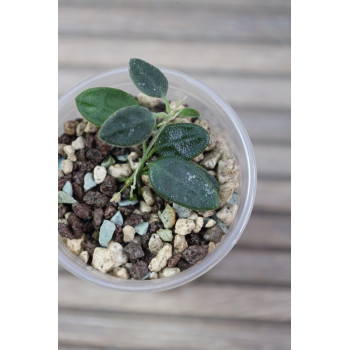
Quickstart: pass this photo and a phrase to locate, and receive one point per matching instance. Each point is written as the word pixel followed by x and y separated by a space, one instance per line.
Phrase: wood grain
pixel 117 330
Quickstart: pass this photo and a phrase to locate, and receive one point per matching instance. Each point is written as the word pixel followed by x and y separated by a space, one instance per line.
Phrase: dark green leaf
pixel 212 179
pixel 184 140
pixel 189 113
pixel 97 104
pixel 183 182
pixel 147 78
pixel 127 127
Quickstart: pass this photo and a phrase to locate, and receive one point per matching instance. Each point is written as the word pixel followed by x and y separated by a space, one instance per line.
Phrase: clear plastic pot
pixel 224 121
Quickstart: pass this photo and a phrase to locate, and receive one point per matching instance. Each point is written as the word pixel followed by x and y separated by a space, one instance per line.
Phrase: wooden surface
pixel 241 49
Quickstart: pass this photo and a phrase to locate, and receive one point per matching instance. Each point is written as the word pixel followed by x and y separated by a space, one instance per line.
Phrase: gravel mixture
pixel 147 238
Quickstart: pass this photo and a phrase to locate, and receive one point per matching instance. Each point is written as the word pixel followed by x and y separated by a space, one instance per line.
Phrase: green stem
pixel 167 105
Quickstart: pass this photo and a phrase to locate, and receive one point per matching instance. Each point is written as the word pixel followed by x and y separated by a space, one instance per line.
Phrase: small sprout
pixel 123 123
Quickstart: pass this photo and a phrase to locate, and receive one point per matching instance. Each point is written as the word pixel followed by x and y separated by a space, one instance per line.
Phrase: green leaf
pixel 128 127
pixel 183 182
pixel 184 140
pixel 97 104
pixel 189 113
pixel 212 179
pixel 147 78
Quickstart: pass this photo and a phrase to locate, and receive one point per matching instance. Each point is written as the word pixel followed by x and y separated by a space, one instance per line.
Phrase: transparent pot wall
pixel 224 121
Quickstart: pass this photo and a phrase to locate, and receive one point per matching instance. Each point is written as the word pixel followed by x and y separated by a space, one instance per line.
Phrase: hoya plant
pixel 123 123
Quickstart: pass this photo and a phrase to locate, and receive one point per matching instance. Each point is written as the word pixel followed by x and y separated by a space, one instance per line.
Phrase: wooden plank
pixel 267 231
pixel 129 331
pixel 239 302
pixel 229 26
pixel 238 91
pixel 250 266
pixel 273 196
pixel 107 53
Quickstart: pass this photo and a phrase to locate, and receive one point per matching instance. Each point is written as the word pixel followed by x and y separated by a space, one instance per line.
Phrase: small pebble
pixel 129 233
pixel 123 157
pixel 75 245
pixel 60 150
pixel 148 101
pixel 210 223
pixel 211 247
pixel 106 232
pixel 121 272
pixel 120 170
pixel 127 202
pixel 198 158
pixel 153 276
pixel 147 195
pixel 226 191
pixel 146 180
pixel 67 166
pixel 120 257
pixel 195 253
pixel 234 199
pixel 199 222
pixel 96 199
pixel 80 128
pixel 100 174
pixel 132 159
pixel 138 270
pixel 70 126
pixel 142 228
pixel 60 174
pixel 91 128
pixel 60 161
pixel 103 259
pixel 165 235
pixel 168 216
pixel 67 188
pixel 70 152
pixel 63 197
pixel 134 251
pixel 184 226
pixel 226 170
pixel 180 243
pixel 169 271
pixel 155 244
pixel 207 214
pixel 211 159
pixel 221 224
pixel 117 218
pixel 84 256
pixel 228 213
pixel 160 261
pixel 181 211
pixel 82 210
pixel 107 162
pixel 144 207
pixel 213 234
pixel 79 143
pixel 147 275
pixel 89 182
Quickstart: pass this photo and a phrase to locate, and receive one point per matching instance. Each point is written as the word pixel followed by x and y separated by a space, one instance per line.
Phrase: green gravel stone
pixel 165 235
pixel 142 228
pixel 127 202
pixel 147 275
pixel 68 188
pixel 123 157
pixel 234 199
pixel 106 232
pixel 220 224
pixel 181 211
pixel 117 218
pixel 89 182
pixel 63 197
pixel 107 162
pixel 60 161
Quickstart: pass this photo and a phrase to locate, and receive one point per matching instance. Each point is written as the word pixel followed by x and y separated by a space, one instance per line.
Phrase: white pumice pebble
pixel 128 266
pixel 121 272
pixel 91 128
pixel 132 159
pixel 174 106
pixel 226 191
pixel 184 226
pixel 153 218
pixel 129 233
pixel 168 216
pixel 210 223
pixel 80 128
pixel 211 247
pixel 144 207
pixel 193 216
pixel 70 126
pixel 155 244
pixel 84 256
pixel 63 221
pixel 180 243
pixel 148 101
pixel 169 271
pixel 226 170
pixel 211 159
pixel 75 245
pixel 199 224
pixel 67 166
pixel 198 158
pixel 160 261
pixel 70 152
pixel 100 173
pixel 79 143
pixel 228 213
pixel 60 150
pixel 146 180
pixel 67 215
pixel 120 257
pixel 147 195
pixel 120 170
pixel 103 259
pixel 153 276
